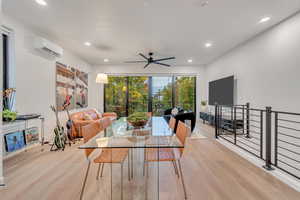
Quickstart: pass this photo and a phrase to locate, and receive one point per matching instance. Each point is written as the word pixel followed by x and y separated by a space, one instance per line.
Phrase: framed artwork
pixel 81 92
pixel 71 87
pixel 14 141
pixel 32 135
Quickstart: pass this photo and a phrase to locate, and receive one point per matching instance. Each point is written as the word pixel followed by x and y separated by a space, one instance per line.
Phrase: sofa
pixel 86 117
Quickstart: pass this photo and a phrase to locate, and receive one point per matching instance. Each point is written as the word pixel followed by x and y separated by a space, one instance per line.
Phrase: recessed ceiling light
pixel 106 60
pixel 204 3
pixel 264 19
pixel 208 44
pixel 190 60
pixel 87 44
pixel 41 2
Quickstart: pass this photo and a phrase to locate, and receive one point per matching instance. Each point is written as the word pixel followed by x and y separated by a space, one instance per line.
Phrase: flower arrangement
pixel 8 101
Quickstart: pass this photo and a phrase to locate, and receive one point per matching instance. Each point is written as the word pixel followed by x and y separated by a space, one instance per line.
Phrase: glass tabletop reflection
pixel 156 134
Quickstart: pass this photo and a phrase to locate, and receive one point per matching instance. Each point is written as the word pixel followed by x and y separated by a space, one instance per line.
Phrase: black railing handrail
pixel 267 125
pixel 286 113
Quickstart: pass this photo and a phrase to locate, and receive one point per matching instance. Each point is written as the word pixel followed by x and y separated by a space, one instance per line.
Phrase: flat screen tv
pixel 222 91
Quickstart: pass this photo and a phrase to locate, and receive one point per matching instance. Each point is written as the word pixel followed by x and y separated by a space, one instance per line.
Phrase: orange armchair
pixel 113 116
pixel 86 117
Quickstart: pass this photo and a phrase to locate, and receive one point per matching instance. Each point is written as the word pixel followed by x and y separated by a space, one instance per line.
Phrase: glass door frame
pixel 150 89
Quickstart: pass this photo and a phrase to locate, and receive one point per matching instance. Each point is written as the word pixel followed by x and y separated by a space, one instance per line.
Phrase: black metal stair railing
pixel 272 136
pixel 287 142
pixel 242 126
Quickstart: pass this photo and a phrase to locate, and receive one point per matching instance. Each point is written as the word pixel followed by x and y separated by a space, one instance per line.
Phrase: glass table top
pixel 156 134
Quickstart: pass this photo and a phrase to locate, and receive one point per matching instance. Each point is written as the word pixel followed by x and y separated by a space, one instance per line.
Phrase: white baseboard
pixel 284 177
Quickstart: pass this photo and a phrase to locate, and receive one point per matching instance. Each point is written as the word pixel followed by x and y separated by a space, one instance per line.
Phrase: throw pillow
pixel 87 117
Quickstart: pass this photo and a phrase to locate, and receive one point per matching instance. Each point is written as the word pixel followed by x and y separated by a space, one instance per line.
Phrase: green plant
pixel 203 103
pixel 137 117
pixel 8 115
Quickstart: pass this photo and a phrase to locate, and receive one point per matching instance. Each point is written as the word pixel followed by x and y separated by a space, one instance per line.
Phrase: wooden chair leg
pixel 132 163
pixel 102 170
pixel 175 168
pixel 98 171
pixel 129 175
pixel 182 180
pixel 84 181
pixel 121 181
pixel 146 178
pixel 144 162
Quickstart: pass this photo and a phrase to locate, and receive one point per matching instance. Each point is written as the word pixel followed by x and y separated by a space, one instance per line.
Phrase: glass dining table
pixel 121 135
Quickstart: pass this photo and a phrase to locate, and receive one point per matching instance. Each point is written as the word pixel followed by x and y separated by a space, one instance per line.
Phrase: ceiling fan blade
pixel 135 61
pixel 143 56
pixel 158 63
pixel 170 58
pixel 147 65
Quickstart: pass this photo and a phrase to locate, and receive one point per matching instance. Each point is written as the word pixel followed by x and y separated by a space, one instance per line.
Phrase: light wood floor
pixel 211 172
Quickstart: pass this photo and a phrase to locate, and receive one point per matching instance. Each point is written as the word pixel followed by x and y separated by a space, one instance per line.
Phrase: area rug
pixel 197 135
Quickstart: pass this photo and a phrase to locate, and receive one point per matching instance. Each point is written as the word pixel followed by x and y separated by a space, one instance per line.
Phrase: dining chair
pixel 172 123
pixel 169 154
pixel 149 114
pixel 106 156
pixel 106 122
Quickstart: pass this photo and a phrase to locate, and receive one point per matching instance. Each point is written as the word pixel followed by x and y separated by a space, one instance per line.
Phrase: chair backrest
pixel 182 133
pixel 149 114
pixel 88 132
pixel 172 123
pixel 106 122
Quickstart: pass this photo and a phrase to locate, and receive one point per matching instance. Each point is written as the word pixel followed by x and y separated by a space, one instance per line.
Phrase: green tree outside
pixel 138 94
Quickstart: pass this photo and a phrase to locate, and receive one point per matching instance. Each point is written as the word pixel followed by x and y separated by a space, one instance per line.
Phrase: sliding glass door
pixel 115 99
pixel 185 90
pixel 138 94
pixel 126 95
pixel 161 94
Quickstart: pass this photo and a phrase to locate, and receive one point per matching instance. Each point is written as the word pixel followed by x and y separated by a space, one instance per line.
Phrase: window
pixel 185 97
pixel 126 95
pixel 162 94
pixel 5 61
pixel 138 92
pixel 115 95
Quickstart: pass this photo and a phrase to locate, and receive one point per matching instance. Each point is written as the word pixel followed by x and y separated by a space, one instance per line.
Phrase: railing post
pixel 247 120
pixel 243 115
pixel 234 124
pixel 276 139
pixel 261 133
pixel 216 121
pixel 268 138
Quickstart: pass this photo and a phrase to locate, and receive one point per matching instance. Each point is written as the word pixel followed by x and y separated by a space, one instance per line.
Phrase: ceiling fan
pixel 150 60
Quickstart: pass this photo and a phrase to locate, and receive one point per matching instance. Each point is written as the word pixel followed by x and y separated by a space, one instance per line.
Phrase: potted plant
pixel 203 106
pixel 8 115
pixel 138 119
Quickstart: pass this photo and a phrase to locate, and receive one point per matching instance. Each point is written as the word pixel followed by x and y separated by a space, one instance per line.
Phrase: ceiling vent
pixel 48 47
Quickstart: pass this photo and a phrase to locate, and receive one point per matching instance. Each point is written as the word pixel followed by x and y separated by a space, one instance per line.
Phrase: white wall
pixel 151 70
pixel 267 68
pixel 35 75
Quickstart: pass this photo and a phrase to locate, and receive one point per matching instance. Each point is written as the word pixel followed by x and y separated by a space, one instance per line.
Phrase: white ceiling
pixel 120 29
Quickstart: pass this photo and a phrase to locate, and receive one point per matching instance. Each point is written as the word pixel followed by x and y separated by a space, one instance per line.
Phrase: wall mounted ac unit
pixel 49 47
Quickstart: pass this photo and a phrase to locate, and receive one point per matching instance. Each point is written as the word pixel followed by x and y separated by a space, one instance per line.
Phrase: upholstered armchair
pixel 86 117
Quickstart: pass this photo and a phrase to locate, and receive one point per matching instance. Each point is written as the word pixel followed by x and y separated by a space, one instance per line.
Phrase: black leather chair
pixel 181 116
pixel 186 116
